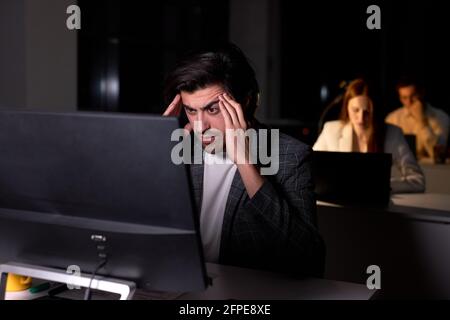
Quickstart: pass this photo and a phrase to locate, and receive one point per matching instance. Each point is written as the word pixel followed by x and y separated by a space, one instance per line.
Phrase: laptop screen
pixel 352 177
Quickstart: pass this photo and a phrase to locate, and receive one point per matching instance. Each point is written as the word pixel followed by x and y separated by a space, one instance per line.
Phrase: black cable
pixel 87 293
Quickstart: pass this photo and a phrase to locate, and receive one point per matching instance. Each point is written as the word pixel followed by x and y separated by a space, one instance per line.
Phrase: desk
pixel 409 240
pixel 245 284
pixel 437 177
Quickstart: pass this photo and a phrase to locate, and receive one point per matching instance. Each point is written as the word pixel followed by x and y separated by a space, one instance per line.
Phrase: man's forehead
pixel 205 106
pixel 407 90
pixel 202 97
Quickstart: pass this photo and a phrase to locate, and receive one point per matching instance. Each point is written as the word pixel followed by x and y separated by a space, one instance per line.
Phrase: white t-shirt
pixel 218 176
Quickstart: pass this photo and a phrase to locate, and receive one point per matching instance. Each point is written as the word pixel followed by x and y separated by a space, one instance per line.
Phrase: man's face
pixel 408 95
pixel 203 106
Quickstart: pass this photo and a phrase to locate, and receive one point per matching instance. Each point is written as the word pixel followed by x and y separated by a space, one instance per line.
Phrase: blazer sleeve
pixel 321 142
pixel 288 208
pixel 411 177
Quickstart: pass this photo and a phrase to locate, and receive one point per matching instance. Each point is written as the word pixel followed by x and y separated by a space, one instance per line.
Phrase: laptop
pixel 352 178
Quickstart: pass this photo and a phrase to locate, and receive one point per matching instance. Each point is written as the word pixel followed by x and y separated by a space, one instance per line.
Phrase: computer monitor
pixel 352 178
pixel 66 178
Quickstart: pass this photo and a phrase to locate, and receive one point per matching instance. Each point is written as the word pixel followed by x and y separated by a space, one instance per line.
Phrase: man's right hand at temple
pixel 174 109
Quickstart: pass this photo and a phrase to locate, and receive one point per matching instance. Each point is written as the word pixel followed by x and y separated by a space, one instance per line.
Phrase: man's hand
pixel 418 113
pixel 237 145
pixel 174 110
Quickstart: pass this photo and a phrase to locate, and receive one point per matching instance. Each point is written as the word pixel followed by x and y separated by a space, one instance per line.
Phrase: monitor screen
pixel 65 177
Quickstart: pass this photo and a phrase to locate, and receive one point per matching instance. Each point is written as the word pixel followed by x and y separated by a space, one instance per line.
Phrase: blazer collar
pixel 346 138
pixel 237 191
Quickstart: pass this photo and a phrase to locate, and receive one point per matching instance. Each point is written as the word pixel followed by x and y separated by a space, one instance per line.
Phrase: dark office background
pixel 126 47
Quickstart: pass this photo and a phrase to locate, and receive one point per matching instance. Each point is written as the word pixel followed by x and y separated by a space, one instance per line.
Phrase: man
pixel 430 125
pixel 246 218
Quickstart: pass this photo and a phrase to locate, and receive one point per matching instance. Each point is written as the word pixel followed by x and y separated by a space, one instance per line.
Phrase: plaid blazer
pixel 276 229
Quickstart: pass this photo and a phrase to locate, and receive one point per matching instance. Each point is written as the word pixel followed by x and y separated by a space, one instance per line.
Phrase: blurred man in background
pixel 417 117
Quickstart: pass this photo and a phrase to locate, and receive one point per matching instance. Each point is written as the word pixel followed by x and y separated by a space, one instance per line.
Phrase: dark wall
pixel 127 47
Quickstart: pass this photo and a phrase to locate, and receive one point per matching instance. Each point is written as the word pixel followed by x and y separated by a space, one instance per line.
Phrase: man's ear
pixel 249 112
pixel 247 101
pixel 246 109
pixel 258 100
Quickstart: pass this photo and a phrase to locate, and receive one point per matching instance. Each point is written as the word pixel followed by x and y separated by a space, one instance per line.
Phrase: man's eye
pixel 190 111
pixel 213 110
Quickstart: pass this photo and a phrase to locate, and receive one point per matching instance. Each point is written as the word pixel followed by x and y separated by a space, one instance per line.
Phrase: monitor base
pixel 125 289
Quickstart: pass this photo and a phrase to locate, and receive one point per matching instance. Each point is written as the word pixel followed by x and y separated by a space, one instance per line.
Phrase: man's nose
pixel 202 121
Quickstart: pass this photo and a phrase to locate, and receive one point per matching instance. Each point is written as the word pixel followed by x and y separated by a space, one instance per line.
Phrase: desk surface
pixel 437 177
pixel 423 206
pixel 430 162
pixel 243 284
pixel 431 201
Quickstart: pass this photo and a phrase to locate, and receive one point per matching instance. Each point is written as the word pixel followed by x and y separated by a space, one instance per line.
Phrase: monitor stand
pixel 123 288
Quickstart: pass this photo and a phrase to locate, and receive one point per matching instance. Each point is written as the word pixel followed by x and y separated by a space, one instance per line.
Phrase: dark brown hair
pixel 407 81
pixel 226 66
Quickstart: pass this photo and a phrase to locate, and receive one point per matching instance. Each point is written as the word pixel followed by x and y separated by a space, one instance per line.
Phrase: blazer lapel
pixel 237 191
pixel 346 138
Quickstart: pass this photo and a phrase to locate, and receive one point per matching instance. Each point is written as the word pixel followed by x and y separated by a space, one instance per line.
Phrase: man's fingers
pixel 238 109
pixel 231 111
pixel 230 100
pixel 174 108
pixel 225 114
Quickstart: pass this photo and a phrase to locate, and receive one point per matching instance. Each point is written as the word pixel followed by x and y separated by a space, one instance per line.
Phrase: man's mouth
pixel 207 139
